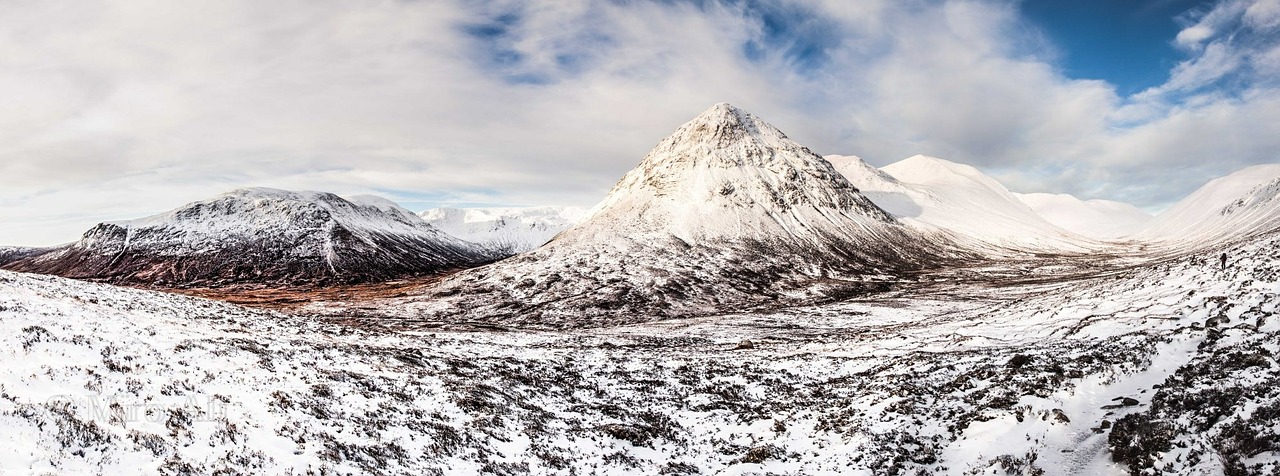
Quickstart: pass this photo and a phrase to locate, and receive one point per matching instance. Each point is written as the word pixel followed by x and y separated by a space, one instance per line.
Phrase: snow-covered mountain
pixel 1239 205
pixel 261 236
pixel 1100 219
pixel 514 230
pixel 724 213
pixel 932 193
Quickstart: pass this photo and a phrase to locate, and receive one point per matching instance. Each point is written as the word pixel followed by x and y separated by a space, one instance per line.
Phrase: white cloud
pixel 1263 14
pixel 1206 24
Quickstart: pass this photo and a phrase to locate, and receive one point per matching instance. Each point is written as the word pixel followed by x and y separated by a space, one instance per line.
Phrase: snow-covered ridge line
pixel 1098 219
pixel 934 194
pixel 1238 205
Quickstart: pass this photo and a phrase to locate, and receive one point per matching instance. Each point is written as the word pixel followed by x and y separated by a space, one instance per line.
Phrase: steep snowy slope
pixel 1100 219
pixel 724 213
pixel 514 230
pixel 1238 205
pixel 900 199
pixel 932 193
pixel 261 236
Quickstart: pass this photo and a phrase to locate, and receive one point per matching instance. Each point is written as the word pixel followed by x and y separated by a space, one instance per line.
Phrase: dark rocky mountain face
pixel 9 254
pixel 259 237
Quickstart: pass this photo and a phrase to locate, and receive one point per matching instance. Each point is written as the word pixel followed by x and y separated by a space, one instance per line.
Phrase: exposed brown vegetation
pixel 293 297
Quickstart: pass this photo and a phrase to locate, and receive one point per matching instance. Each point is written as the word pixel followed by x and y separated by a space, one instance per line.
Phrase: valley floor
pixel 1050 366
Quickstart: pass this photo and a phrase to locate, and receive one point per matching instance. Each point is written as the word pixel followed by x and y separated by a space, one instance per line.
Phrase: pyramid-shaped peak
pixel 738 168
pixel 722 112
pixel 722 125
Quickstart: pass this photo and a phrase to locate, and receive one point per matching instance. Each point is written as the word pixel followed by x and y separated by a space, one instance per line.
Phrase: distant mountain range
pixel 934 194
pixel 727 212
pixel 1243 204
pixel 513 230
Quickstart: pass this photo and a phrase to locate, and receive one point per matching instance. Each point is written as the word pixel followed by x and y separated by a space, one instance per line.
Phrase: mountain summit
pixel 727 174
pixel 726 213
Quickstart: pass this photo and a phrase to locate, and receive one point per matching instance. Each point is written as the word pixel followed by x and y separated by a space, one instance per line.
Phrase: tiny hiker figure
pixel 1223 258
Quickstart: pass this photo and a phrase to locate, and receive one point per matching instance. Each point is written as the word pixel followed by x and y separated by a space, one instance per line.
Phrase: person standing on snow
pixel 1223 259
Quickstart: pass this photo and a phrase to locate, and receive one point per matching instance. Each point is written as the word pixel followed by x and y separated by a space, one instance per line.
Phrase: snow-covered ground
pixel 960 375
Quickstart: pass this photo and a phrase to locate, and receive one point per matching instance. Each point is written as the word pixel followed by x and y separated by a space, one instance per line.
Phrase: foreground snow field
pixel 1166 366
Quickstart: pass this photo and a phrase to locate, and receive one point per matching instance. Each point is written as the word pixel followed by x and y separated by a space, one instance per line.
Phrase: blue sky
pixel 121 108
pixel 1128 43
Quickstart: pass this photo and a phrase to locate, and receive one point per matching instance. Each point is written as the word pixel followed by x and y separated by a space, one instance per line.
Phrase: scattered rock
pixel 1060 416
pixel 1018 361
pixel 760 454
pixel 637 435
pixel 1124 402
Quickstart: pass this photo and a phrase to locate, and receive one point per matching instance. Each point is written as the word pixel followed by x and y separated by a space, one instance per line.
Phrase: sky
pixel 112 110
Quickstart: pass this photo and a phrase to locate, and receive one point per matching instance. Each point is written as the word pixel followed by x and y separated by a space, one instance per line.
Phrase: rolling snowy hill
pixel 1099 219
pixel 513 230
pixel 724 213
pixel 935 194
pixel 261 236
pixel 1239 205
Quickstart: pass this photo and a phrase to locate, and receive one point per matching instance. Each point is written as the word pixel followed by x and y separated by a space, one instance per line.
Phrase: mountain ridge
pixel 1225 208
pixel 930 193
pixel 260 236
pixel 1098 219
